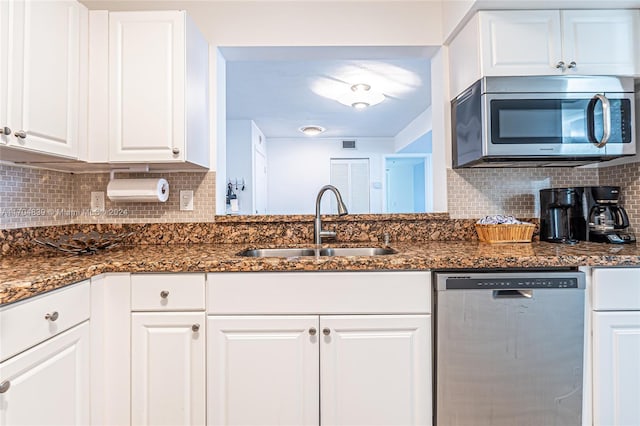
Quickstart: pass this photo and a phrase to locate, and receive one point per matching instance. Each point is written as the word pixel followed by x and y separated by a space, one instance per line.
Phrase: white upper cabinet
pixel 42 76
pixel 545 42
pixel 158 89
pixel 520 42
pixel 600 41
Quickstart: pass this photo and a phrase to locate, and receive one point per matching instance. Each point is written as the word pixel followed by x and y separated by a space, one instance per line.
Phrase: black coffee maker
pixel 607 221
pixel 561 215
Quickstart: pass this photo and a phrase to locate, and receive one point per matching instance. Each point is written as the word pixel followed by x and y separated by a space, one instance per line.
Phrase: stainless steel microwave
pixel 543 121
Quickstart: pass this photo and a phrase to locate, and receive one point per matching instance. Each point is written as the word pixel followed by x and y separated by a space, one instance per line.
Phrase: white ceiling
pixel 284 88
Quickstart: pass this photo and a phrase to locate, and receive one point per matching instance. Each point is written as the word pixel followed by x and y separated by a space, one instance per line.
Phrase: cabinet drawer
pixel 319 292
pixel 24 325
pixel 167 292
pixel 616 289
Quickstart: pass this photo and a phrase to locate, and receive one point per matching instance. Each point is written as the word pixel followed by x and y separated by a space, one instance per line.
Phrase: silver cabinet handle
pixel 572 64
pixel 20 134
pixel 4 386
pixel 164 294
pixel 176 151
pixel 326 331
pixel 561 65
pixel 5 131
pixel 195 328
pixel 52 316
pixel 313 331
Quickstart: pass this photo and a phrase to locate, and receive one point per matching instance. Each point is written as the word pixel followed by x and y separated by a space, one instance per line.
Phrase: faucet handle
pixel 327 234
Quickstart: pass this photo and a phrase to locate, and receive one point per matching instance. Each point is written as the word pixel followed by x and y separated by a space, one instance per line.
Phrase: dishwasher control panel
pixel 510 280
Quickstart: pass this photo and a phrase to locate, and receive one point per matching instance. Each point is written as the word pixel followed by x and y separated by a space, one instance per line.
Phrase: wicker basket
pixel 513 233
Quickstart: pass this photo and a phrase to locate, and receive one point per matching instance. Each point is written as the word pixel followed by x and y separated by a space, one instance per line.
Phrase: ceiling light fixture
pixel 361 96
pixel 312 130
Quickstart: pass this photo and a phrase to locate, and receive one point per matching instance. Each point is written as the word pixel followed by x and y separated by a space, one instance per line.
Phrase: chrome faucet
pixel 318 232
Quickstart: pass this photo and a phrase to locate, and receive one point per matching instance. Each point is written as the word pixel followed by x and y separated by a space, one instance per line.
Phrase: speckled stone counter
pixel 26 276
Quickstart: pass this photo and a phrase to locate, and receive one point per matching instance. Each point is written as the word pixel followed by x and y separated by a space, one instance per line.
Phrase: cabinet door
pixel 600 41
pixel 4 69
pixel 263 370
pixel 520 42
pixel 376 369
pixel 146 79
pixel 616 369
pixel 167 368
pixel 49 383
pixel 44 76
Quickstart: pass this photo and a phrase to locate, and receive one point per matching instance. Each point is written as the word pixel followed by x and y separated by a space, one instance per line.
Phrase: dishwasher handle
pixel 512 294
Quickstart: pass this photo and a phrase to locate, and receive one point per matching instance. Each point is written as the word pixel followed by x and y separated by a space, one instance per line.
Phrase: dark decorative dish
pixel 82 243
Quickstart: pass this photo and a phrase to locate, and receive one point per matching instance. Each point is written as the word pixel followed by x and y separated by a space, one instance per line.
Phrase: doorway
pixel 408 186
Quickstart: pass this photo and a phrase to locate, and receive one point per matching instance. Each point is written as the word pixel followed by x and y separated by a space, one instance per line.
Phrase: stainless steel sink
pixel 327 251
pixel 356 251
pixel 279 252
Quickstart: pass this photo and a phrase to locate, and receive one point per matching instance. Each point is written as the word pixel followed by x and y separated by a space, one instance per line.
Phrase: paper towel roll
pixel 146 190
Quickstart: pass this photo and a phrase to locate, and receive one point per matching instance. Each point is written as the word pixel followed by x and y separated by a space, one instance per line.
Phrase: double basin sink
pixel 327 251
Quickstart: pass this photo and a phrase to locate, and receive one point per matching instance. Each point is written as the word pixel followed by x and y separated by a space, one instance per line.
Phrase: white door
pixel 600 41
pixel 263 370
pixel 260 182
pixel 523 42
pixel 49 383
pixel 44 75
pixel 376 370
pixel 351 177
pixel 616 368
pixel 146 79
pixel 168 368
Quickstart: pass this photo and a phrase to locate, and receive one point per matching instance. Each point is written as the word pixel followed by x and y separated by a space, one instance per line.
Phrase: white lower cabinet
pixel 364 370
pixel 167 368
pixel 49 383
pixel 168 377
pixel 375 369
pixel 342 359
pixel 44 354
pixel 616 347
pixel 263 370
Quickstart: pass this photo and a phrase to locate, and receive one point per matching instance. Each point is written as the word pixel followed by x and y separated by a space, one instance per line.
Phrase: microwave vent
pixel 349 144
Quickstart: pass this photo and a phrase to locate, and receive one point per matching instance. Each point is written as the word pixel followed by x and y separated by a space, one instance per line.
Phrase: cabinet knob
pixel 5 131
pixel 326 331
pixel 164 294
pixel 20 134
pixel 176 151
pixel 195 328
pixel 52 316
pixel 572 64
pixel 4 386
pixel 561 65
pixel 313 331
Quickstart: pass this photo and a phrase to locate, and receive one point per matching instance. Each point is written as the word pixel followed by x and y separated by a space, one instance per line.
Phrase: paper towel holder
pixel 132 169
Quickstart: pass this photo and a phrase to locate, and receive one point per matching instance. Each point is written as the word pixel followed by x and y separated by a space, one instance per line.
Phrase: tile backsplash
pixel 627 176
pixel 32 197
pixel 36 197
pixel 475 193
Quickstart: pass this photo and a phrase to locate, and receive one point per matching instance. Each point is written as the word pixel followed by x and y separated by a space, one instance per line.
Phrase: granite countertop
pixel 25 276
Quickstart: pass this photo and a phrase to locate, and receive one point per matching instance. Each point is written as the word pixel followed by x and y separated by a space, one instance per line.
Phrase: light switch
pixel 186 200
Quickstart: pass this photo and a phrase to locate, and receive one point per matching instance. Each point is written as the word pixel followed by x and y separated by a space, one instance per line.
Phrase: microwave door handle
pixel 606 120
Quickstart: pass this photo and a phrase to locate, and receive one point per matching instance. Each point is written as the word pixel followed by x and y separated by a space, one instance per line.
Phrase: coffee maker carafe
pixel 561 216
pixel 607 221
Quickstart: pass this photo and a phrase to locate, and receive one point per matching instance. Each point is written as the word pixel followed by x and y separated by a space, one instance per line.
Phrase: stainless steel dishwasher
pixel 509 348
